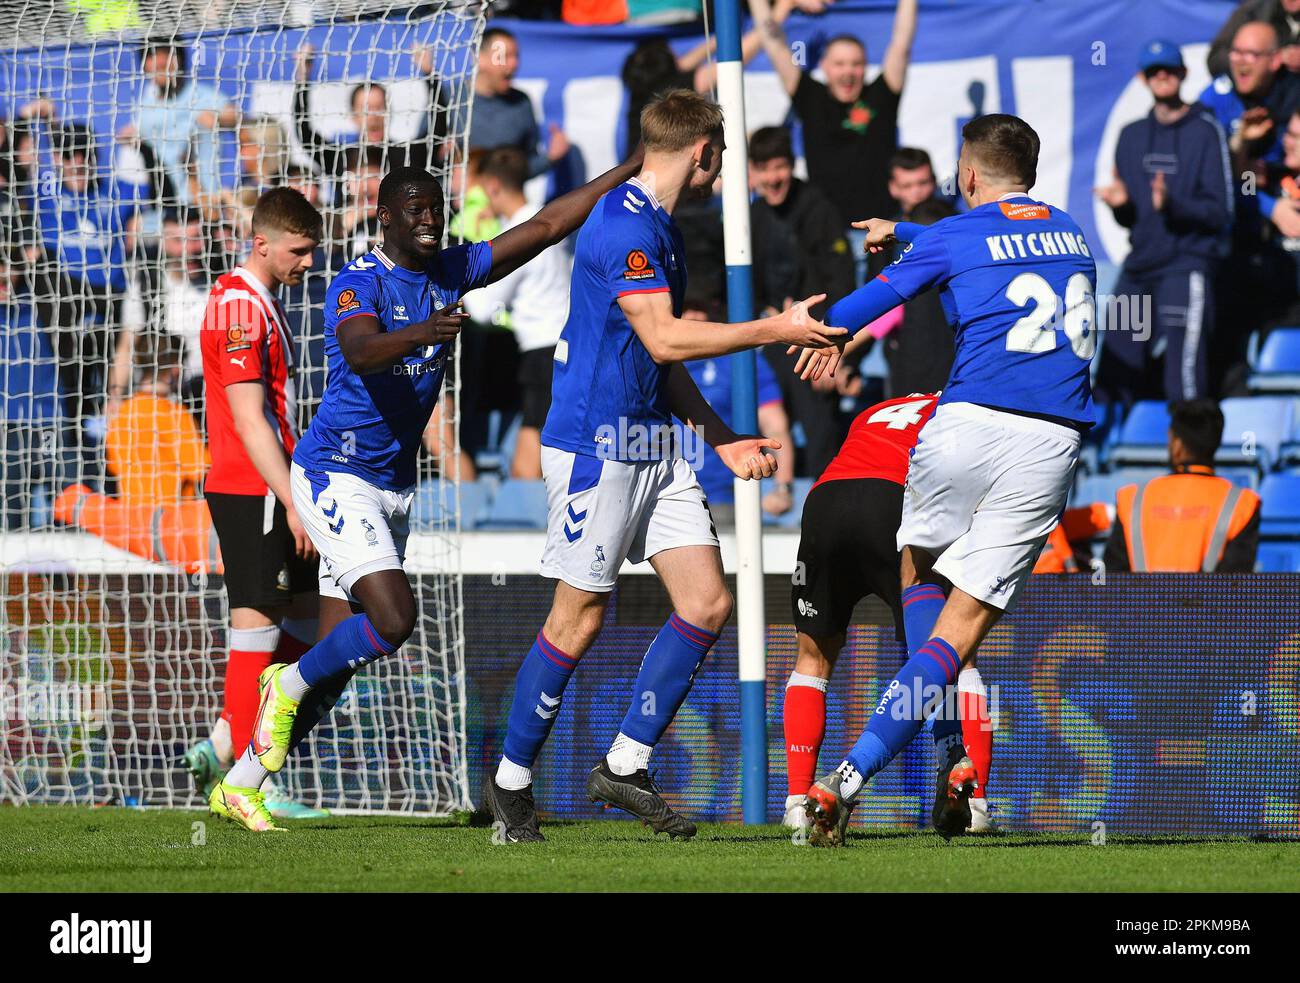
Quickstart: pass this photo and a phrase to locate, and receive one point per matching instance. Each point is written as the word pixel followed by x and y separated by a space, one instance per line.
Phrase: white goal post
pixel 136 135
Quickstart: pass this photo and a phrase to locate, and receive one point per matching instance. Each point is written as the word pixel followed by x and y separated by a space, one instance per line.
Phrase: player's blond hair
pixel 676 119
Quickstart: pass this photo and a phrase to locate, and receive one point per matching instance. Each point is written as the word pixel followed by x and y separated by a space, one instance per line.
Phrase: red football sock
pixel 805 725
pixel 976 727
pixel 251 651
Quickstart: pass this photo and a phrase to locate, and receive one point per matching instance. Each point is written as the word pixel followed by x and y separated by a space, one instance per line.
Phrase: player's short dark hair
pixel 910 159
pixel 1006 145
pixel 287 210
pixel 399 179
pixel 1198 423
pixel 676 119
pixel 361 87
pixel 166 44
pixel 508 165
pixel 771 143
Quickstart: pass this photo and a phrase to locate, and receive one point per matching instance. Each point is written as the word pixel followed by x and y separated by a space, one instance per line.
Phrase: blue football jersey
pixel 607 393
pixel 713 377
pixel 1017 282
pixel 371 425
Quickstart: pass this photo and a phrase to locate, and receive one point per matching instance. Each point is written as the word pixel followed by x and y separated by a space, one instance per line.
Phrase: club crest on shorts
pixel 372 537
pixel 282 578
pixel 598 564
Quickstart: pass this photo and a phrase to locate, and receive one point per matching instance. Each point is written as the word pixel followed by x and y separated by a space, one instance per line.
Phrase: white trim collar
pixel 646 191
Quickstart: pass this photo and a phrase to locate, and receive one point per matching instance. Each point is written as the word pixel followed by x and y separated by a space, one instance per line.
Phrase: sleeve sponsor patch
pixel 237 338
pixel 638 266
pixel 347 301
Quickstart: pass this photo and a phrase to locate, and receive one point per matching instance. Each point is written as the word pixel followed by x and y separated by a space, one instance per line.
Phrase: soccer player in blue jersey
pixel 617 485
pixel 390 318
pixel 990 473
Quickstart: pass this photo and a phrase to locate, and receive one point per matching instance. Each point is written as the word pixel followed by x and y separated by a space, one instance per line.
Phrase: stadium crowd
pixel 107 263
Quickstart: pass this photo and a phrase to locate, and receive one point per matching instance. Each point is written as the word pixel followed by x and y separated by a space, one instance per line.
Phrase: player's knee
pixel 395 623
pixel 710 612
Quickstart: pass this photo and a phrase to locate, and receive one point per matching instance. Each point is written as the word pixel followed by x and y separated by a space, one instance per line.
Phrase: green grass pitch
pixel 66 849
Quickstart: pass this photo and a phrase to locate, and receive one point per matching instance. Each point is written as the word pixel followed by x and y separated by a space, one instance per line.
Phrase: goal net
pixel 135 136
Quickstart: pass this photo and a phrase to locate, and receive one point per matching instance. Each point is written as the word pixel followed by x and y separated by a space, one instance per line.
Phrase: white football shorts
pixel 356 527
pixel 984 490
pixel 603 512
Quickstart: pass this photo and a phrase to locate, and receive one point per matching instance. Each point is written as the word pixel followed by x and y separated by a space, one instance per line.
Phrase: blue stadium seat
pixel 1280 505
pixel 517 505
pixel 1278 557
pixel 1143 437
pixel 1103 487
pixel 1254 430
pixel 1277 369
pixel 434 504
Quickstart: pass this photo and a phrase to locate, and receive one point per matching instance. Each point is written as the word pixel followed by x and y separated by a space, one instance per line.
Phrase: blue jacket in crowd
pixel 1192 231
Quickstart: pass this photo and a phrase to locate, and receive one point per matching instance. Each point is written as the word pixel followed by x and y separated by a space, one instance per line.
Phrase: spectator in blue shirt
pixel 502 116
pixel 82 275
pixel 177 123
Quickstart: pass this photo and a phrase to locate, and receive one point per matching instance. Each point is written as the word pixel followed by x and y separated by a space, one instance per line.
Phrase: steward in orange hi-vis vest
pixel 1190 521
pixel 1186 522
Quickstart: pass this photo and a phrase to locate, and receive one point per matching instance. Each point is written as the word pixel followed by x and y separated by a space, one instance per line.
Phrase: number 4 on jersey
pixel 900 416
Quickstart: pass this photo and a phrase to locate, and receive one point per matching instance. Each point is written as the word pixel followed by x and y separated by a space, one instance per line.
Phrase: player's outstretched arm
pixel 515 247
pixel 368 348
pixel 870 301
pixel 742 454
pixel 671 339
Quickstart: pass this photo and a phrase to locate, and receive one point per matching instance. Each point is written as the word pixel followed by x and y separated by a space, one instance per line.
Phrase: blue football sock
pixel 921 606
pixel 901 710
pixel 666 675
pixel 352 644
pixel 538 687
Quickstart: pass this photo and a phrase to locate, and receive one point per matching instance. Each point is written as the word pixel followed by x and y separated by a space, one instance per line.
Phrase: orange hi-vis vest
pixel 1180 523
pixel 1077 525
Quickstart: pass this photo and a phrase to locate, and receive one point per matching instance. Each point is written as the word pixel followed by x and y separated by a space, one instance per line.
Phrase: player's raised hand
pixel 814 363
pixel 745 456
pixel 880 233
pixel 796 327
pixel 444 326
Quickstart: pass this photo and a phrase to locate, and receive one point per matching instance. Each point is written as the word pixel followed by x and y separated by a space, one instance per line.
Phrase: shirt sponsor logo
pixel 1024 212
pixel 638 266
pixel 347 301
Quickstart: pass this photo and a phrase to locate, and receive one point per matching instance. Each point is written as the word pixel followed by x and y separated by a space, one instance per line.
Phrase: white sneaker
pixel 980 820
pixel 795 817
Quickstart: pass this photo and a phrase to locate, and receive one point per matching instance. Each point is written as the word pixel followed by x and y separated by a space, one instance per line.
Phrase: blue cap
pixel 1160 54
